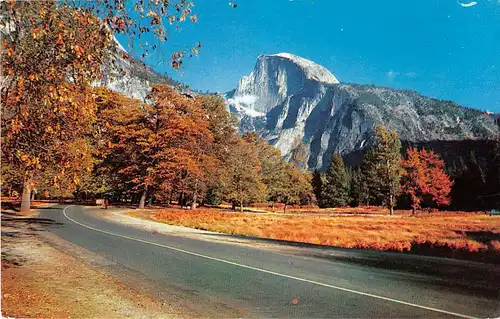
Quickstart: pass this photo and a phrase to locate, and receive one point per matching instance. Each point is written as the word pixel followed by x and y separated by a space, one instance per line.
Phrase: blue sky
pixel 437 48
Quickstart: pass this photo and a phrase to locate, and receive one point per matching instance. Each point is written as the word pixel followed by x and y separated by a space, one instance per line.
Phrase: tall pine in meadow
pixel 382 167
pixel 335 190
pixel 317 186
pixel 360 193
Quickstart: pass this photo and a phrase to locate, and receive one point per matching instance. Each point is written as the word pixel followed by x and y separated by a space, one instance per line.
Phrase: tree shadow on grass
pixel 10 206
pixel 484 237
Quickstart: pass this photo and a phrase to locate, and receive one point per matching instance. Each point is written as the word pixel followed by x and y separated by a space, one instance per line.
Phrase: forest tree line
pixel 62 136
pixel 413 178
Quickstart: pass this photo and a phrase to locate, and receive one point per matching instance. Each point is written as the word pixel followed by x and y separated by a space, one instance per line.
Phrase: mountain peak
pixel 312 70
pixel 292 102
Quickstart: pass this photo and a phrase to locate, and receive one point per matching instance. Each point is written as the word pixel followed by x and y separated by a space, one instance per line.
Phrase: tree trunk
pixel 26 197
pixel 284 208
pixel 241 206
pixel 193 205
pixel 150 200
pixel 391 204
pixel 170 196
pixel 181 199
pixel 32 195
pixel 142 202
pixel 233 206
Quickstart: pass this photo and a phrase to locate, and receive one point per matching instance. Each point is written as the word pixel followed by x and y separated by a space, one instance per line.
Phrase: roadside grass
pixel 458 235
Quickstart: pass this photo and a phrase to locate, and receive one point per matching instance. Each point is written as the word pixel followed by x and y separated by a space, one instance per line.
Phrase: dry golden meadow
pixel 462 235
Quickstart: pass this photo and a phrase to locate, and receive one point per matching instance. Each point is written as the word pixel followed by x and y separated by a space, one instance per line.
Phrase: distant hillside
pixel 291 101
pixel 132 77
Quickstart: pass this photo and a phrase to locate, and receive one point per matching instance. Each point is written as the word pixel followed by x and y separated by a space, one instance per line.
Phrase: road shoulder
pixel 40 280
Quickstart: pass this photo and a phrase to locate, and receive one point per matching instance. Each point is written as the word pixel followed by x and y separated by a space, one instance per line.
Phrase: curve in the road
pixel 442 311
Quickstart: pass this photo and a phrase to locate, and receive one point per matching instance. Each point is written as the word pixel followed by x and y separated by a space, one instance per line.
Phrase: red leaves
pixel 60 39
pixel 424 176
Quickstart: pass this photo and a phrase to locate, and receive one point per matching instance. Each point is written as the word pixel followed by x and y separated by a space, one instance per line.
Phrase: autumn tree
pixel 297 186
pixel 382 167
pixel 335 191
pixel 50 56
pixel 11 182
pixel 424 176
pixel 183 156
pixel 273 168
pixel 242 182
pixel 145 21
pixel 222 125
pixel 164 146
pixel 51 52
pixel 127 133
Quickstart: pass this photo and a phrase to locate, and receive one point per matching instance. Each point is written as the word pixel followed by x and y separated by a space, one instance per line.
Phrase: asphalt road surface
pixel 297 283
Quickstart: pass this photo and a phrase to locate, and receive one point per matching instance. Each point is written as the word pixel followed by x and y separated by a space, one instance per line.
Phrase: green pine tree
pixel 317 185
pixel 360 192
pixel 382 167
pixel 335 190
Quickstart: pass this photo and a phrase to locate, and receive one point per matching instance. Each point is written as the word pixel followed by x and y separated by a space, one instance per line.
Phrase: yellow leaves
pixel 29 160
pixel 60 39
pixel 20 87
pixel 10 51
pixel 78 50
pixel 36 33
pixel 194 18
pixel 194 50
pixel 43 12
pixel 16 125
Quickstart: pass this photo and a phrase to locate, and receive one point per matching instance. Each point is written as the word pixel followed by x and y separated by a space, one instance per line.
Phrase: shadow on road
pixel 485 278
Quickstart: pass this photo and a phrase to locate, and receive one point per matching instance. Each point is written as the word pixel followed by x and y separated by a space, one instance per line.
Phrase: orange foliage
pixel 424 175
pixel 409 233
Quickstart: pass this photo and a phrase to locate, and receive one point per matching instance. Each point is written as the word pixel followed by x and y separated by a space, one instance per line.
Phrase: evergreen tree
pixel 317 185
pixel 360 193
pixel 492 196
pixel 335 190
pixel 383 167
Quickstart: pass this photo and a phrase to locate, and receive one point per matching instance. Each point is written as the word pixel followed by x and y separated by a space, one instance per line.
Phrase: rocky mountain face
pixel 293 102
pixel 129 76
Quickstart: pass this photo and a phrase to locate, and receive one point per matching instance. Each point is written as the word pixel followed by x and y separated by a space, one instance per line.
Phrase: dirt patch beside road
pixel 40 281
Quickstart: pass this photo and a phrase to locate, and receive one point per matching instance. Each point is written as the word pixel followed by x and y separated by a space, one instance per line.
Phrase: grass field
pixel 469 236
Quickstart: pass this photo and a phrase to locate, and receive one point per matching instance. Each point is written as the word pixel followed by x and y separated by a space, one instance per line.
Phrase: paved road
pixel 296 283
